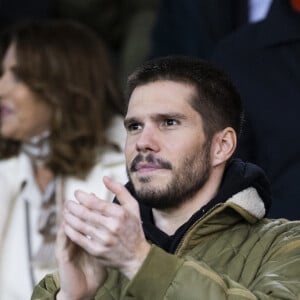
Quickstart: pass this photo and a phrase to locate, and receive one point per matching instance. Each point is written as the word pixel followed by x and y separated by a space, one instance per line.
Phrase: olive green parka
pixel 231 252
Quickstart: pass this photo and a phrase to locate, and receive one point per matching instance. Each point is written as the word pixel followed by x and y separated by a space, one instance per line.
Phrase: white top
pixel 15 279
pixel 258 9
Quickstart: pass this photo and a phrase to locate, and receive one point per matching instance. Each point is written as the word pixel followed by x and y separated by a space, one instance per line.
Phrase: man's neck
pixel 171 219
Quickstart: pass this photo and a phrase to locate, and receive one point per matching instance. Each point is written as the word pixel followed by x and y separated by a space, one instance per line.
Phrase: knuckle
pixel 117 227
pixel 123 215
pixel 96 250
pixel 108 242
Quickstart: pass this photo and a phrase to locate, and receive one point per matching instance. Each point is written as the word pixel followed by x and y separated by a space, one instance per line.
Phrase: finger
pixel 82 212
pixel 93 203
pixel 84 226
pixel 77 237
pixel 94 246
pixel 89 200
pixel 123 195
pixel 94 224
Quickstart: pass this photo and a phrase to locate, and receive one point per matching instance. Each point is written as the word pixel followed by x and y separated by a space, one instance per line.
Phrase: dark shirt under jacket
pixel 190 27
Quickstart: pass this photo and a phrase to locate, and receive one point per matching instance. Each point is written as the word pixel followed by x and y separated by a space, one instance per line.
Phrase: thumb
pixel 125 198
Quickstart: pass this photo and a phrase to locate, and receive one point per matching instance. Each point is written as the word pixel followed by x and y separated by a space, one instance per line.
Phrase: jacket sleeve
pixel 47 288
pixel 164 276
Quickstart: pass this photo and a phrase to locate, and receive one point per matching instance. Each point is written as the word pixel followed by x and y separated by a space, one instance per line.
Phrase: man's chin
pixel 157 175
pixel 149 180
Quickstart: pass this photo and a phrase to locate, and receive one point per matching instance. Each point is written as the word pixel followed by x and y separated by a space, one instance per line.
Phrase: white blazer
pixel 16 197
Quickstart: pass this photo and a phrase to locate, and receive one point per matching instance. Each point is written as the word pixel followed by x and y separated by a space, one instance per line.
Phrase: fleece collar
pixel 250 201
pixel 246 185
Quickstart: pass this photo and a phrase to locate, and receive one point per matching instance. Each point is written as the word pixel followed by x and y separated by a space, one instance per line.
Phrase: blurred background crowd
pixel 64 64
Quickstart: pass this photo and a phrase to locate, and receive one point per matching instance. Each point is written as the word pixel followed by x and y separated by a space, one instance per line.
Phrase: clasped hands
pixel 96 234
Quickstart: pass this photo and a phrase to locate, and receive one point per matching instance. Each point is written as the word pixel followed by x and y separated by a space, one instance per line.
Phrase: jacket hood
pixel 245 178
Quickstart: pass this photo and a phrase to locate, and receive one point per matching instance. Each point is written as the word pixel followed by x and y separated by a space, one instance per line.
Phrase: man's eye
pixel 171 122
pixel 134 127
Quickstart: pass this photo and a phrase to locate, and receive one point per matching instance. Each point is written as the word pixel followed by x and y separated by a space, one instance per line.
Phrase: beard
pixel 187 179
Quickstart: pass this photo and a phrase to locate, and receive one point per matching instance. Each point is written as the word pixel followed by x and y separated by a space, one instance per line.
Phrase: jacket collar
pixel 242 180
pixel 250 201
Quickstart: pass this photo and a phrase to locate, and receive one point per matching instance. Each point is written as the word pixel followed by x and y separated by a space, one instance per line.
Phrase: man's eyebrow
pixel 130 120
pixel 170 115
pixel 156 117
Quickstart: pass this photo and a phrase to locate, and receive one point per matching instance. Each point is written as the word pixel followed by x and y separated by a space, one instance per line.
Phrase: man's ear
pixel 223 145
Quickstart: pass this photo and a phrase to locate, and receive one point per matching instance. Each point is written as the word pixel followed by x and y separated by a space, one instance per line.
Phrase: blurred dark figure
pixel 12 11
pixel 263 59
pixel 194 27
pixel 124 25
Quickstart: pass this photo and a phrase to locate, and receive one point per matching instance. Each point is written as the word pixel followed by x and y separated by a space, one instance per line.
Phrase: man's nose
pixel 148 140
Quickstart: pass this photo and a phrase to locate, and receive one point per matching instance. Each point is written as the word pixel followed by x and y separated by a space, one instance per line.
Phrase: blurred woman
pixel 60 130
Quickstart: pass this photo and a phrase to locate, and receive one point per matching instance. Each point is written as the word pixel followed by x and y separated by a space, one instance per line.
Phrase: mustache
pixel 149 159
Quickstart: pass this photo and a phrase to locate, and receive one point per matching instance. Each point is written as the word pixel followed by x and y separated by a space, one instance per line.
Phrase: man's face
pixel 168 157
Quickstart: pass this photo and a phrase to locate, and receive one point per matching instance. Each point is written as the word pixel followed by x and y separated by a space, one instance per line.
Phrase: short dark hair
pixel 216 99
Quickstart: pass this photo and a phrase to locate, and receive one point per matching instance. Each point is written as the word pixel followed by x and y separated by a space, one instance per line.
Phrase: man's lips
pixel 148 163
pixel 146 167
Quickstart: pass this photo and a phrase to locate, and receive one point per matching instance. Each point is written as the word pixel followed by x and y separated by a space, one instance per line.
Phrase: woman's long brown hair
pixel 67 65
